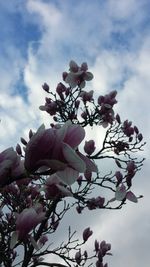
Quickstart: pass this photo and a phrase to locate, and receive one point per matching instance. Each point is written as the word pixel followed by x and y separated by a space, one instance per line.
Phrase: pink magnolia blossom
pixel 122 193
pixel 55 188
pixel 28 219
pixel 77 75
pixel 55 148
pixel 87 96
pixel 11 166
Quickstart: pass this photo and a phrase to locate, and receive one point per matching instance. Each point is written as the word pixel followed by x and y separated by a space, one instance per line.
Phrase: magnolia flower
pixel 28 219
pixel 55 148
pixel 77 75
pixel 121 194
pixel 55 188
pixel 11 166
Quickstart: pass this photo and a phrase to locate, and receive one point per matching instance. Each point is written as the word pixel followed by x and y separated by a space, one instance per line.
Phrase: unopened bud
pixel 140 137
pixel 18 149
pixel 23 141
pixel 118 118
pixel 45 86
pixel 89 147
pixel 78 257
pixel 87 233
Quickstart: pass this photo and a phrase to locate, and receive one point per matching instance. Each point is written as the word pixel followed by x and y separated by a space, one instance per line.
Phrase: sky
pixel 38 39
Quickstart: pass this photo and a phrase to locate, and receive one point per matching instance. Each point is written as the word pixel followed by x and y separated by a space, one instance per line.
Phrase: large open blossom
pixel 11 166
pixel 77 76
pixel 28 219
pixel 55 148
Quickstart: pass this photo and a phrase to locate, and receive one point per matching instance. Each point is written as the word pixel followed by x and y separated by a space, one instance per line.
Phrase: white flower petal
pixel 120 193
pixel 73 159
pixel 14 239
pixel 68 176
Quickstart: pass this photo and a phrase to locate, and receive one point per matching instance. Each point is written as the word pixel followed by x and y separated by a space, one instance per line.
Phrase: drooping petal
pixel 74 135
pixel 73 159
pixel 90 165
pixel 130 196
pixel 68 176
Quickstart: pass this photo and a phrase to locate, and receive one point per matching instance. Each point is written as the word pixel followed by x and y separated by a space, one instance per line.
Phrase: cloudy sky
pixel 38 39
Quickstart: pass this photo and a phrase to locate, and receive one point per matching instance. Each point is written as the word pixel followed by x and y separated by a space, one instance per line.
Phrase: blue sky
pixel 38 39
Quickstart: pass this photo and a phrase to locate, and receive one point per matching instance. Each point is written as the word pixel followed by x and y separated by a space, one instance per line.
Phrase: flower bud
pixel 23 141
pixel 119 176
pixel 60 88
pixel 140 137
pixel 89 147
pixel 118 118
pixel 79 180
pixel 30 133
pixel 84 115
pixel 88 175
pixel 84 66
pixel 45 87
pixel 136 130
pixel 78 257
pixel 96 245
pixel 87 233
pixel 85 254
pixel 64 75
pixel 18 149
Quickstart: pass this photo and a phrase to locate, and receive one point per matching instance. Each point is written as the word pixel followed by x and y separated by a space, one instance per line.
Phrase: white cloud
pixel 123 9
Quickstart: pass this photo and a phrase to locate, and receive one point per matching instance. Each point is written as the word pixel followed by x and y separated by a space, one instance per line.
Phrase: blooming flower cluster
pixel 37 177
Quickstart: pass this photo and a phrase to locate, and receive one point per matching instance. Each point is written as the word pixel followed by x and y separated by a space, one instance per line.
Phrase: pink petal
pixel 90 165
pixel 71 80
pixel 130 196
pixel 75 134
pixel 51 163
pixel 68 176
pixel 73 159
pixel 62 131
pixel 88 76
pixel 9 153
pixel 64 191
pixel 120 193
pixel 39 147
pixel 73 66
pixel 53 179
